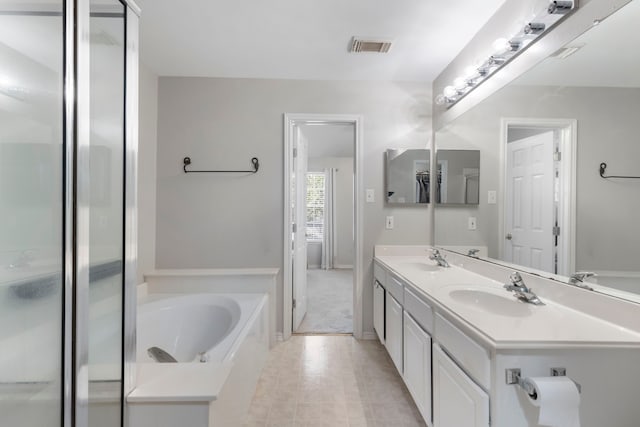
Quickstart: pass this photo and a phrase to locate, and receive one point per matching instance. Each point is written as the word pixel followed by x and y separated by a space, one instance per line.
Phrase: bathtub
pixel 220 342
pixel 192 328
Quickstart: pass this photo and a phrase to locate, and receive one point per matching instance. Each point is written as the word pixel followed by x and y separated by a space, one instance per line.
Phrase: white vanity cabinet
pixel 393 330
pixel 454 357
pixel 417 365
pixel 457 400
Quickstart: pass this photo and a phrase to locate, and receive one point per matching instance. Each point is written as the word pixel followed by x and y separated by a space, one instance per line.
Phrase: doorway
pixel 538 182
pixel 322 262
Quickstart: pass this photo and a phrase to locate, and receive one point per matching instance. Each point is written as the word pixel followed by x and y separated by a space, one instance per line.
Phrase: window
pixel 315 206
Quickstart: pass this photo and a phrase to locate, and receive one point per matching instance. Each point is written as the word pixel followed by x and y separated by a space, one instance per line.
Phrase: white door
pixel 529 205
pixel 417 365
pixel 299 213
pixel 457 400
pixel 393 330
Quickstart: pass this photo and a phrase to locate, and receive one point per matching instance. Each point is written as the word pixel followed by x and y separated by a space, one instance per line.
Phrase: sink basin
pixel 420 265
pixel 490 301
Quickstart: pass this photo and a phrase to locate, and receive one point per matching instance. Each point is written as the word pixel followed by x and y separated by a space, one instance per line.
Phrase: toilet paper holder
pixel 514 376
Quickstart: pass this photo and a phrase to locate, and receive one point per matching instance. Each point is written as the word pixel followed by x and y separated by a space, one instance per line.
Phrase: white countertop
pixel 520 325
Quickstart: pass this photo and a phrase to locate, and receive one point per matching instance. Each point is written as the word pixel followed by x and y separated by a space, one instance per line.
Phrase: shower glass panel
pixel 106 211
pixel 31 212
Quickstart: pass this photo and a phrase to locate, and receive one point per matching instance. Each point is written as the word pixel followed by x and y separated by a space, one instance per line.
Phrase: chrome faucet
pixel 473 253
pixel 578 279
pixel 437 257
pixel 521 291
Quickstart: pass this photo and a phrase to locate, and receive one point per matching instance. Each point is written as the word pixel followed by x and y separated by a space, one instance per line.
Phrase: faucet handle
pixel 473 252
pixel 516 278
pixel 582 275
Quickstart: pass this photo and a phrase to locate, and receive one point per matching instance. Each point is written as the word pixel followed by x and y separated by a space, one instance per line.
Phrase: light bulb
pixel 450 91
pixel 440 99
pixel 5 81
pixel 501 45
pixel 460 83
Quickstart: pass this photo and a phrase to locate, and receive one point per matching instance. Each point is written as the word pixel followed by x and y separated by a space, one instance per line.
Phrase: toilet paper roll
pixel 558 399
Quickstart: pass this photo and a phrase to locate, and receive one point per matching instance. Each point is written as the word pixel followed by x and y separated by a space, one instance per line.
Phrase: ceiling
pixel 608 56
pixel 329 140
pixel 309 40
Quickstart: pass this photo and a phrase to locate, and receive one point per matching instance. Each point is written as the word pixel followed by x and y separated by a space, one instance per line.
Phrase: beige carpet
pixel 329 302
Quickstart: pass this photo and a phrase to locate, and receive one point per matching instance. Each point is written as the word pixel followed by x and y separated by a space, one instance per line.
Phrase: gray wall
pixel 147 150
pixel 608 129
pixel 343 205
pixel 207 220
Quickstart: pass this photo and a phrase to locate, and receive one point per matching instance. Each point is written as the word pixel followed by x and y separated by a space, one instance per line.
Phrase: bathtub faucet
pixel 160 356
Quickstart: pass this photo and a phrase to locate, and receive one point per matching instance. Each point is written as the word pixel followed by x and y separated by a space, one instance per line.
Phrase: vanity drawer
pixel 472 357
pixel 419 310
pixel 379 273
pixel 396 288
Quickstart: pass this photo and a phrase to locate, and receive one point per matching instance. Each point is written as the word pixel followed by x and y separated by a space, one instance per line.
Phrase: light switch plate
pixel 370 195
pixel 389 223
pixel 472 223
pixel 492 197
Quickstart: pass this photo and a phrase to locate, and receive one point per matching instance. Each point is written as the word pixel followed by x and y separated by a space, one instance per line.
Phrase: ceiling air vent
pixel 361 44
pixel 565 52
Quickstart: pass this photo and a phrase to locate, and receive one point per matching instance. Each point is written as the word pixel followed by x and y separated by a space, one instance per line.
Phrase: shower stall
pixel 68 147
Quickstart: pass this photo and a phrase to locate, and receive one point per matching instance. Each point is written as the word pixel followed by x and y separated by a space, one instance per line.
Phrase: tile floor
pixel 329 301
pixel 331 381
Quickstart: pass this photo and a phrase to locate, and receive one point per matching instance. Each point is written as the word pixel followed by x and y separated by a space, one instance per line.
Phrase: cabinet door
pixel 378 310
pixel 417 365
pixel 457 400
pixel 393 330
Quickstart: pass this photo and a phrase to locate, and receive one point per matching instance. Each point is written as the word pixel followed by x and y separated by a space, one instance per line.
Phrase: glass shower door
pixel 31 212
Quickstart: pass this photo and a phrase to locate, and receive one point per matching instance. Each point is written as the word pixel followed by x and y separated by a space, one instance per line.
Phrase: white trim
pixel 279 337
pixel 568 146
pixel 342 266
pixel 370 336
pixel 289 121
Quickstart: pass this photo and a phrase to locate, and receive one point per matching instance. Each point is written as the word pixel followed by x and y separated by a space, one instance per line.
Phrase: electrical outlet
pixel 472 223
pixel 492 197
pixel 389 223
pixel 370 195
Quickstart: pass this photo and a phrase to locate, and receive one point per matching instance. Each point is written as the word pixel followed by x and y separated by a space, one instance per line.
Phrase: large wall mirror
pixel 543 203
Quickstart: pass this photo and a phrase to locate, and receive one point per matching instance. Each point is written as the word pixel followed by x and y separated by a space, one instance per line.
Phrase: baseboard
pixel 369 336
pixel 279 337
pixel 343 266
pixel 313 267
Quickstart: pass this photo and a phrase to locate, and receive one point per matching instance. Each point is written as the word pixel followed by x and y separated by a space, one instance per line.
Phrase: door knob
pixel 508 236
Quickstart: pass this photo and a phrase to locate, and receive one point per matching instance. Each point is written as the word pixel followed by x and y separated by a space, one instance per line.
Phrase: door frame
pixel 568 147
pixel 290 121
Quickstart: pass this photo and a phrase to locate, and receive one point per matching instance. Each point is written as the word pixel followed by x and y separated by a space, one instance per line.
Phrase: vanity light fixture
pixel 504 50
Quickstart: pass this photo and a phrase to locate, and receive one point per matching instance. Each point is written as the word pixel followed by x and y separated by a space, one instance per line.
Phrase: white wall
pixel 147 150
pixel 343 205
pixel 608 129
pixel 217 220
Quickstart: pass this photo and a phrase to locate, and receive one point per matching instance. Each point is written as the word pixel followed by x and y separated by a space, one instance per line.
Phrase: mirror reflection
pixel 458 177
pixel 543 203
pixel 407 176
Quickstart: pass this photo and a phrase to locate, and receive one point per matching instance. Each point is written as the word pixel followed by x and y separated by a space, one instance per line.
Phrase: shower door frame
pixel 75 377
